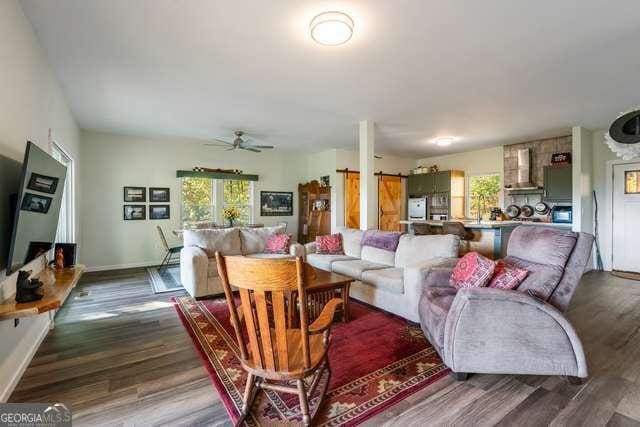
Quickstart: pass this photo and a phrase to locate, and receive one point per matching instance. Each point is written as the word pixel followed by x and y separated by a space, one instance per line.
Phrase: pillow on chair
pixel 472 271
pixel 278 244
pixel 507 276
pixel 329 245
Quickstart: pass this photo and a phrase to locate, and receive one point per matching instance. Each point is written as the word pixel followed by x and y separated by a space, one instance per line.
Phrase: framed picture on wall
pixel 276 203
pixel 135 194
pixel 36 203
pixel 43 183
pixel 158 194
pixel 159 211
pixel 134 212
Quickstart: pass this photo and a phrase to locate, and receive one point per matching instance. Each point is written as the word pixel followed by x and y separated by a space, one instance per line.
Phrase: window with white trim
pixel 483 194
pixel 205 200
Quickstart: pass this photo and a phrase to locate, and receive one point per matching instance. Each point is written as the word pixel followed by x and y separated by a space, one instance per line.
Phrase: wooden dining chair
pixel 273 351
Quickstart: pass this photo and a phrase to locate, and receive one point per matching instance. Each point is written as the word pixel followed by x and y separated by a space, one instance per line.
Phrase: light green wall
pixel 111 162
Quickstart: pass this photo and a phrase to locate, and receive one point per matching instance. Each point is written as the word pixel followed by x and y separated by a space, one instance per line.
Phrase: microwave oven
pixel 562 214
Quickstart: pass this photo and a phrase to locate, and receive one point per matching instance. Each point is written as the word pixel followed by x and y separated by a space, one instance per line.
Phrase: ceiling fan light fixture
pixel 331 28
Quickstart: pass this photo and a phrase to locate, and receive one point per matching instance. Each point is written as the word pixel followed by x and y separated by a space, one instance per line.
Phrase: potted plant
pixel 231 214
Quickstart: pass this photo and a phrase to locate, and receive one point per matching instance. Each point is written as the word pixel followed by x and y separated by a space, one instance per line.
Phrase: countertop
pixel 473 224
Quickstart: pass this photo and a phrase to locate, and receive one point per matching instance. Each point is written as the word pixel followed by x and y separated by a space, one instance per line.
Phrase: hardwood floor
pixel 120 356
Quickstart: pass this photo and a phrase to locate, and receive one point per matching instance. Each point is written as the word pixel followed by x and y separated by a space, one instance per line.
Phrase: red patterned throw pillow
pixel 507 276
pixel 277 244
pixel 329 245
pixel 472 271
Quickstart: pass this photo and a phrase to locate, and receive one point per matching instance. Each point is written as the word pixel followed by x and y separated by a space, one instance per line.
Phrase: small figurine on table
pixel 59 258
pixel 27 290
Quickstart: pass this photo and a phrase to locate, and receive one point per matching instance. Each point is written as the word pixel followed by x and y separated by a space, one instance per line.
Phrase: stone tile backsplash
pixel 541 151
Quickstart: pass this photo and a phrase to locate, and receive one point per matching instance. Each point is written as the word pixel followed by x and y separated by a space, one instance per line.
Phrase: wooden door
pixel 626 211
pixel 389 202
pixel 352 200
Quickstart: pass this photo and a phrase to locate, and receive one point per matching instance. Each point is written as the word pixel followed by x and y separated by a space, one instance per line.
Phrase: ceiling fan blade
pixel 267 147
pixel 230 149
pixel 376 156
pixel 250 149
pixel 216 145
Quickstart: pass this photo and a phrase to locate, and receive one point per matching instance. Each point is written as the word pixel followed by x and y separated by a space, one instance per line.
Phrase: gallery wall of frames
pixel 135 207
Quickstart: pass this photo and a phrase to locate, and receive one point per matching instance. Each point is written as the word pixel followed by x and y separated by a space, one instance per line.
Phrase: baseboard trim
pixel 122 266
pixel 24 364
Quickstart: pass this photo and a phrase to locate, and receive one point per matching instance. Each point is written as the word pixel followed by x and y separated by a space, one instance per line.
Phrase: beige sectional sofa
pixel 198 271
pixel 389 280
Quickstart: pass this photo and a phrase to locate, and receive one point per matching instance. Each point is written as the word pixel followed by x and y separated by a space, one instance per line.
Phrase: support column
pixel 368 189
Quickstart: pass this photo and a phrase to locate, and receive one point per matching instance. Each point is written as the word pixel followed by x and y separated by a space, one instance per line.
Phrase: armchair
pixel 524 331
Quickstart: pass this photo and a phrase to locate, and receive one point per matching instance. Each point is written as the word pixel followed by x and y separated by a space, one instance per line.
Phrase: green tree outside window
pixel 197 201
pixel 237 194
pixel 484 191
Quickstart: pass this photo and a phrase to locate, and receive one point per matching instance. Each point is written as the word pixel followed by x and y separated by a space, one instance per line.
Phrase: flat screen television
pixel 9 183
pixel 37 207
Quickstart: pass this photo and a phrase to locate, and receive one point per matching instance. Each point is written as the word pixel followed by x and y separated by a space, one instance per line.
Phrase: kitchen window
pixel 483 194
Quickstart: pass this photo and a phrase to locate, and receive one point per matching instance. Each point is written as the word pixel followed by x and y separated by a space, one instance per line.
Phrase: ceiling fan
pixel 239 143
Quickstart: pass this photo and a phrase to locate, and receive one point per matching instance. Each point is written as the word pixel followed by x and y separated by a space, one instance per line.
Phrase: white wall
pixel 31 103
pixel 111 162
pixel 583 163
pixel 472 163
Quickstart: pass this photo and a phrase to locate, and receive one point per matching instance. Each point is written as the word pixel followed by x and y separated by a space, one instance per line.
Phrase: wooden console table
pixel 57 287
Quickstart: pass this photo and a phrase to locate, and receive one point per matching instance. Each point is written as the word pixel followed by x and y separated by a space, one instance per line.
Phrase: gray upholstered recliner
pixel 523 331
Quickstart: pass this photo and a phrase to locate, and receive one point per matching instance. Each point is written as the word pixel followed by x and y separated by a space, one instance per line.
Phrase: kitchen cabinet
pixel 449 187
pixel 558 183
pixel 442 182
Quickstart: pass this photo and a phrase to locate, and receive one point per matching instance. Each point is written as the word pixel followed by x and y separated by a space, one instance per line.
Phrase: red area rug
pixel 377 359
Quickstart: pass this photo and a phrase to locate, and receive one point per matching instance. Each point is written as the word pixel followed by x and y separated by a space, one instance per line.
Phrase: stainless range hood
pixel 524 171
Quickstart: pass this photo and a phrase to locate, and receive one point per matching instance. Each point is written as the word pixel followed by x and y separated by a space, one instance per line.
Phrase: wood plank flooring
pixel 120 356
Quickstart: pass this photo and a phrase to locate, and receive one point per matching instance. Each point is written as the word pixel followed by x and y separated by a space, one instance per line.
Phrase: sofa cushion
pixel 330 244
pixel 434 307
pixel 542 245
pixel 253 240
pixel 387 240
pixel 378 256
pixel 542 278
pixel 413 249
pixel 472 271
pixel 278 244
pixel 266 255
pixel 212 268
pixel 226 241
pixel 507 276
pixel 388 279
pixel 351 241
pixel 354 268
pixel 324 262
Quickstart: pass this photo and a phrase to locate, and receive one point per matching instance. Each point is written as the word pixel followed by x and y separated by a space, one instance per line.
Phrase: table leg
pixel 345 302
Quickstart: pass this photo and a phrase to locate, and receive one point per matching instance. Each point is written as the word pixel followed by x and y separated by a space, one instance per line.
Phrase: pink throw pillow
pixel 507 276
pixel 278 244
pixel 329 245
pixel 472 271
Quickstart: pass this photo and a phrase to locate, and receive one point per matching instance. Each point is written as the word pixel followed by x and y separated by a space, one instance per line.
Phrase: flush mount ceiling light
pixel 331 28
pixel 443 141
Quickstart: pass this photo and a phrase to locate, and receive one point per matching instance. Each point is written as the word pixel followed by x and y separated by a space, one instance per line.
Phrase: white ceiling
pixel 490 71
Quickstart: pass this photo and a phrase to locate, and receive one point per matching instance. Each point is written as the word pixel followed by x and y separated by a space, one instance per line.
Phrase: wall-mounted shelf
pixel 57 285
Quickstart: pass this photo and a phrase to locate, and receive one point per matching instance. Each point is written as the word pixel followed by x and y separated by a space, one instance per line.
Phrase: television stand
pixel 57 285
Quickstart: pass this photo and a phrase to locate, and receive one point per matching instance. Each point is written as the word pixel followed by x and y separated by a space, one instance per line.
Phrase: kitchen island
pixel 490 238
